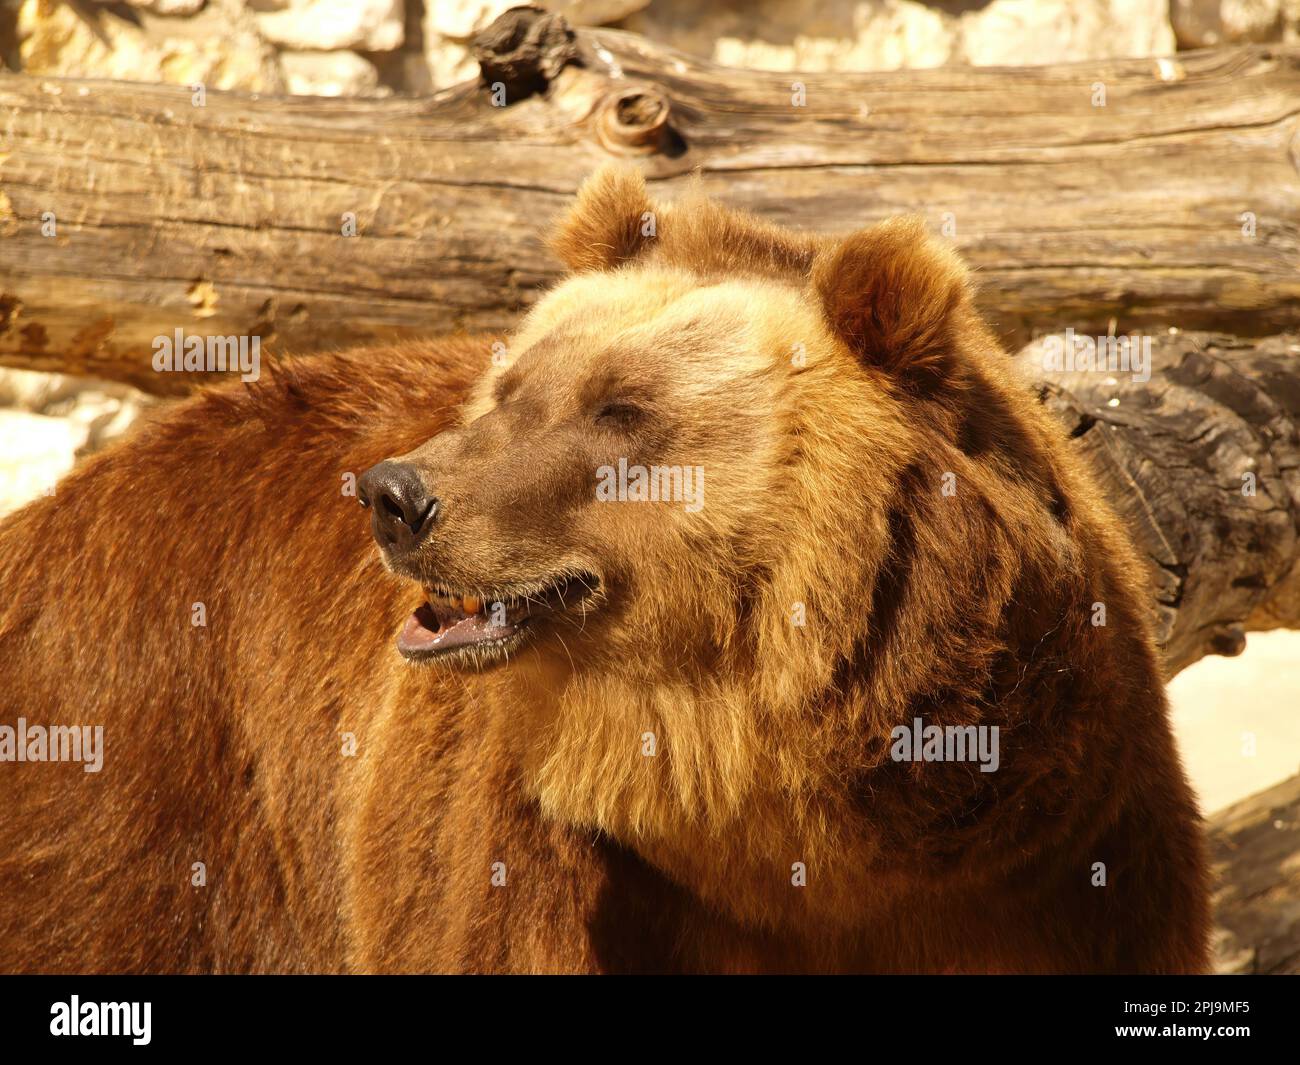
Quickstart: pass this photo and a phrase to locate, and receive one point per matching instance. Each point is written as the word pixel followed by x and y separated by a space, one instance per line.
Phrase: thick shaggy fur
pixel 826 387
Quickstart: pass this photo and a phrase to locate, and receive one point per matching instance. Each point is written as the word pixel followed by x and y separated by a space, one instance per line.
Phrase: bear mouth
pixel 480 627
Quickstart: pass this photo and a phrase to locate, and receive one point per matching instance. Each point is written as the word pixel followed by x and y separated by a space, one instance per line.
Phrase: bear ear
pixel 896 297
pixel 605 227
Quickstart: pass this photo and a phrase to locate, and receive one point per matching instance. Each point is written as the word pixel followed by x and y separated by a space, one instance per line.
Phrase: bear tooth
pixel 470 604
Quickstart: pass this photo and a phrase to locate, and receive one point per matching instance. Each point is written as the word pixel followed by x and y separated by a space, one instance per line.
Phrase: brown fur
pixel 823 488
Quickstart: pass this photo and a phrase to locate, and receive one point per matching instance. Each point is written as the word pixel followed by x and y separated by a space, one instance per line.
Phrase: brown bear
pixel 745 614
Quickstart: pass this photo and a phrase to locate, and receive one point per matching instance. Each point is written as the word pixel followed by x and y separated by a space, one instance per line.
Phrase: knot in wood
pixel 633 120
pixel 524 49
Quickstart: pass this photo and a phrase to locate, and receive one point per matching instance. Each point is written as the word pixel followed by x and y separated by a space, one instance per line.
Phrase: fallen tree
pixel 1254 846
pixel 1203 460
pixel 1155 192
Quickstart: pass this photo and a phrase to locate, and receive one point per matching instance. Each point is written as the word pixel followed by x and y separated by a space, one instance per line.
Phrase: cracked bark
pixel 1203 461
pixel 1254 845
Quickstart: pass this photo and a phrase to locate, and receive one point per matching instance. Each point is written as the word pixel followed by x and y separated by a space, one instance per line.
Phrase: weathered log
pixel 1175 203
pixel 1203 460
pixel 1255 846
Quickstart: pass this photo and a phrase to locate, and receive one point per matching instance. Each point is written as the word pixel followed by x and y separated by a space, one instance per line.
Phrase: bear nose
pixel 401 508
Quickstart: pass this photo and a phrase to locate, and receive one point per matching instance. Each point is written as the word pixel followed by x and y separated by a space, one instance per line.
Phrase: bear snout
pixel 402 509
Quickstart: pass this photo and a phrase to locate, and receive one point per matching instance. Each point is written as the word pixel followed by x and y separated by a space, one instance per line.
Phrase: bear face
pixel 626 463
pixel 871 523
pixel 520 481
pixel 687 379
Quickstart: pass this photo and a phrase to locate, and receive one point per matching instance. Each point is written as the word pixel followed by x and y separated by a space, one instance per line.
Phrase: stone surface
pixel 36 452
pixel 218 47
pixel 449 60
pixel 1019 32
pixel 462 18
pixel 48 421
pixel 1235 719
pixel 420 47
pixel 329 74
pixel 828 35
pixel 891 35
pixel 169 7
pixel 1206 23
pixel 807 35
pixel 324 25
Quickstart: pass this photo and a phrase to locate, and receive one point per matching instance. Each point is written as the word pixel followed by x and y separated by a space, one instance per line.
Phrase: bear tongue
pixel 427 629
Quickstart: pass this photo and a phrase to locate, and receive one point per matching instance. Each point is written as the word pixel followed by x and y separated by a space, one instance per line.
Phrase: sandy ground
pixel 1238 719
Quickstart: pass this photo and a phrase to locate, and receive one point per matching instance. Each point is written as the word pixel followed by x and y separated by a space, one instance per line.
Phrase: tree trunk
pixel 1255 846
pixel 1154 192
pixel 1203 460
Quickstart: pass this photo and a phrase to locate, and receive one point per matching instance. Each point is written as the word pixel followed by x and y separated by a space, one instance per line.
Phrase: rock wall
pixel 48 421
pixel 374 47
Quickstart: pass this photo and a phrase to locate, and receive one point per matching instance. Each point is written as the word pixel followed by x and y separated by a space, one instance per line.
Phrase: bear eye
pixel 619 414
